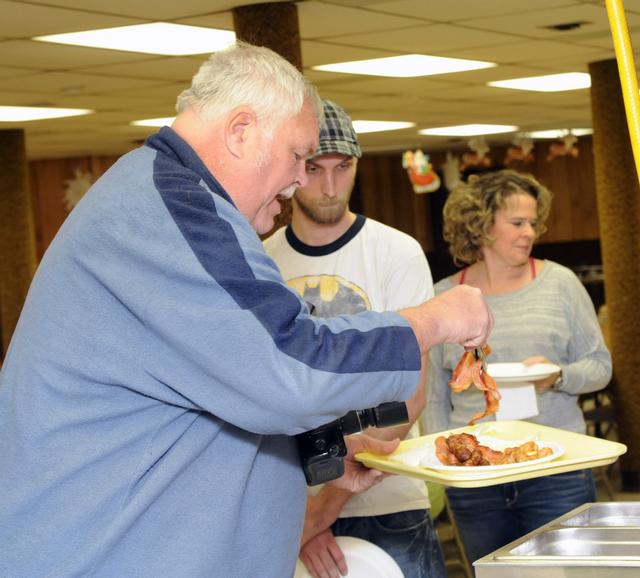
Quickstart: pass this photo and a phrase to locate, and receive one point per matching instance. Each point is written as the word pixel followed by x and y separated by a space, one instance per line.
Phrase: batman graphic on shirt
pixel 331 295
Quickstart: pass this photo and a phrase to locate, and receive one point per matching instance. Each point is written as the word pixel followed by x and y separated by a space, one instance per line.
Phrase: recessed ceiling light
pixel 26 113
pixel 547 83
pixel 559 133
pixel 363 126
pixel 165 121
pixel 468 130
pixel 405 66
pixel 360 126
pixel 152 38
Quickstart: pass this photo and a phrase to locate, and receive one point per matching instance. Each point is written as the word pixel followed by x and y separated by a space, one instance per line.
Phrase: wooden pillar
pixel 618 195
pixel 17 240
pixel 274 25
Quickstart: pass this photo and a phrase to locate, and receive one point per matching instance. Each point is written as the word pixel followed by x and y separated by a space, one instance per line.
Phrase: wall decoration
pixel 421 174
pixel 567 147
pixel 451 171
pixel 480 155
pixel 520 151
pixel 76 187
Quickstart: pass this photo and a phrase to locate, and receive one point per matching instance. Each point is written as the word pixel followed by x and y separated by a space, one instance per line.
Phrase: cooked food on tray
pixel 472 368
pixel 464 449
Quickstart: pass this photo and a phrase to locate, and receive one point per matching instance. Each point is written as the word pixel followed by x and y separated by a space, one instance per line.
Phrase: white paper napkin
pixel 518 401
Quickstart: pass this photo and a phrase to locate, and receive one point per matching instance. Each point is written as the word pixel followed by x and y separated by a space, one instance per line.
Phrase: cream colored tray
pixel 580 451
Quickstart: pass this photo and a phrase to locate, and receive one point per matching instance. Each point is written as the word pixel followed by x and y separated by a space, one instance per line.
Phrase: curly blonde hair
pixel 469 212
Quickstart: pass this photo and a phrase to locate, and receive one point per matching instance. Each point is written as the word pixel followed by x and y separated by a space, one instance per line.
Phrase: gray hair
pixel 249 75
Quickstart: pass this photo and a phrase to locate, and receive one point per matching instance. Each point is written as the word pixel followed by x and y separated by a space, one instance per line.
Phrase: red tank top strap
pixel 532 262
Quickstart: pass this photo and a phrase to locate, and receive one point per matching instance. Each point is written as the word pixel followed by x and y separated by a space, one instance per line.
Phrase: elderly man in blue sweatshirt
pixel 161 366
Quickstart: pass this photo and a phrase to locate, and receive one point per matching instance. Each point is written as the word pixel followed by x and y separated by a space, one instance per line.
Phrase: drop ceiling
pixel 125 86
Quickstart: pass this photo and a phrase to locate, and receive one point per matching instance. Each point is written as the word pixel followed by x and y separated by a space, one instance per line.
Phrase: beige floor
pixel 608 489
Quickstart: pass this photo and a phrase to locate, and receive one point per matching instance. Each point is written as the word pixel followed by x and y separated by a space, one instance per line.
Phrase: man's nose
pixel 329 186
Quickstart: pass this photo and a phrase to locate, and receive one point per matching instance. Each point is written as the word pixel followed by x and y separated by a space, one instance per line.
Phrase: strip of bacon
pixel 469 370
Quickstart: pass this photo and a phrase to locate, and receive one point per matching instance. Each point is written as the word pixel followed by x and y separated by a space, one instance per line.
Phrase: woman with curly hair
pixel 542 314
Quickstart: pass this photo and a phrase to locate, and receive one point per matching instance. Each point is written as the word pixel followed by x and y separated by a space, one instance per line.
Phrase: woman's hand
pixel 546 383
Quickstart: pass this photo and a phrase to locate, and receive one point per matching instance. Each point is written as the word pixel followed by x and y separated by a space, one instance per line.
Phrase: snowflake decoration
pixel 76 187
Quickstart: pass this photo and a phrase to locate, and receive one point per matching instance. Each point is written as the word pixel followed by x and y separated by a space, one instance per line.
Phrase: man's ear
pixel 240 129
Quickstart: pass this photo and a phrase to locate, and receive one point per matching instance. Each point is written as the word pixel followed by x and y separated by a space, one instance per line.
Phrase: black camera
pixel 322 450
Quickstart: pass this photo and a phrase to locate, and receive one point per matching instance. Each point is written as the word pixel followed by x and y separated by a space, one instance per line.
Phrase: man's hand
pixel 357 477
pixel 459 315
pixel 322 556
pixel 323 510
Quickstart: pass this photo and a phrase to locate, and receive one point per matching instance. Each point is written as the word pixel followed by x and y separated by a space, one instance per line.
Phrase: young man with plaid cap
pixel 343 263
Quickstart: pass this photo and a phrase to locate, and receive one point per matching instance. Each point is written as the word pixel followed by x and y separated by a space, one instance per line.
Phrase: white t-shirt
pixel 371 267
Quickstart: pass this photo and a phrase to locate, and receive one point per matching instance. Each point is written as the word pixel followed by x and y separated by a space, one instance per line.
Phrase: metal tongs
pixel 479 353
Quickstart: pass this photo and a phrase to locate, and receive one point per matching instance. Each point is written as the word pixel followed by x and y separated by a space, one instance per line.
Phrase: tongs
pixel 479 353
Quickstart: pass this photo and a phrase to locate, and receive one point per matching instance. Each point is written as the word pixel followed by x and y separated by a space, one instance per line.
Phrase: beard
pixel 323 211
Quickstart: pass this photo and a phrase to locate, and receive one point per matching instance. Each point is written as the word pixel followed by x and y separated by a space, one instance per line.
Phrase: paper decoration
pixel 421 174
pixel 76 187
pixel 566 147
pixel 451 171
pixel 480 155
pixel 520 151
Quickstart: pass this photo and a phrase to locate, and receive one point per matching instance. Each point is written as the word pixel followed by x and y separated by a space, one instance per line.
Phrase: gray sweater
pixel 552 316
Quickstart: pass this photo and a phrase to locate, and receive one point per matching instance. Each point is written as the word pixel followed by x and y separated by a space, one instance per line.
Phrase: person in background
pixel 543 314
pixel 343 263
pixel 161 367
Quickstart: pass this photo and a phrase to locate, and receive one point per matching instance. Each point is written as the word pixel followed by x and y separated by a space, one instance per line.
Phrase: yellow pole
pixel 627 71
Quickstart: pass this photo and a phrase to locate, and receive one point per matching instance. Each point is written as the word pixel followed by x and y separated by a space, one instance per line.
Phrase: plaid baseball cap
pixel 336 133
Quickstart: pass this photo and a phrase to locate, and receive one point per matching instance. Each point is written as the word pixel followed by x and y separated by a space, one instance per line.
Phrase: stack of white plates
pixel 364 560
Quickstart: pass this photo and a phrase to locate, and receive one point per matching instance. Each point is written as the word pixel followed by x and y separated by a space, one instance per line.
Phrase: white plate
pixel 364 560
pixel 517 372
pixel 426 456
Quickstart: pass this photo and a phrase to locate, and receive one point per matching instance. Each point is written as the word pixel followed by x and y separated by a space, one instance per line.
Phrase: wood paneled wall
pixel 48 181
pixel 384 191
pixel 386 194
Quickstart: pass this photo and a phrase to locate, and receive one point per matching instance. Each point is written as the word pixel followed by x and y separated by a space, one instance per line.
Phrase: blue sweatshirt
pixel 155 378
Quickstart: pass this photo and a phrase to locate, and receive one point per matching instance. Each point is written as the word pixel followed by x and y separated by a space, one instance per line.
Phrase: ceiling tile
pixel 605 40
pixel 158 10
pixel 19 98
pixel 125 100
pixel 426 39
pixel 10 71
pixel 47 56
pixel 70 83
pixel 161 92
pixel 464 9
pixel 315 53
pixel 490 74
pixel 521 51
pixel 171 68
pixel 534 23
pixel 577 63
pixel 222 20
pixel 21 20
pixel 318 19
pixel 391 86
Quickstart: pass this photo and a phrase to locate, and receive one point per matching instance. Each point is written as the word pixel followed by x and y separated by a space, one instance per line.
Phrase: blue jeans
pixel 488 518
pixel 408 537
